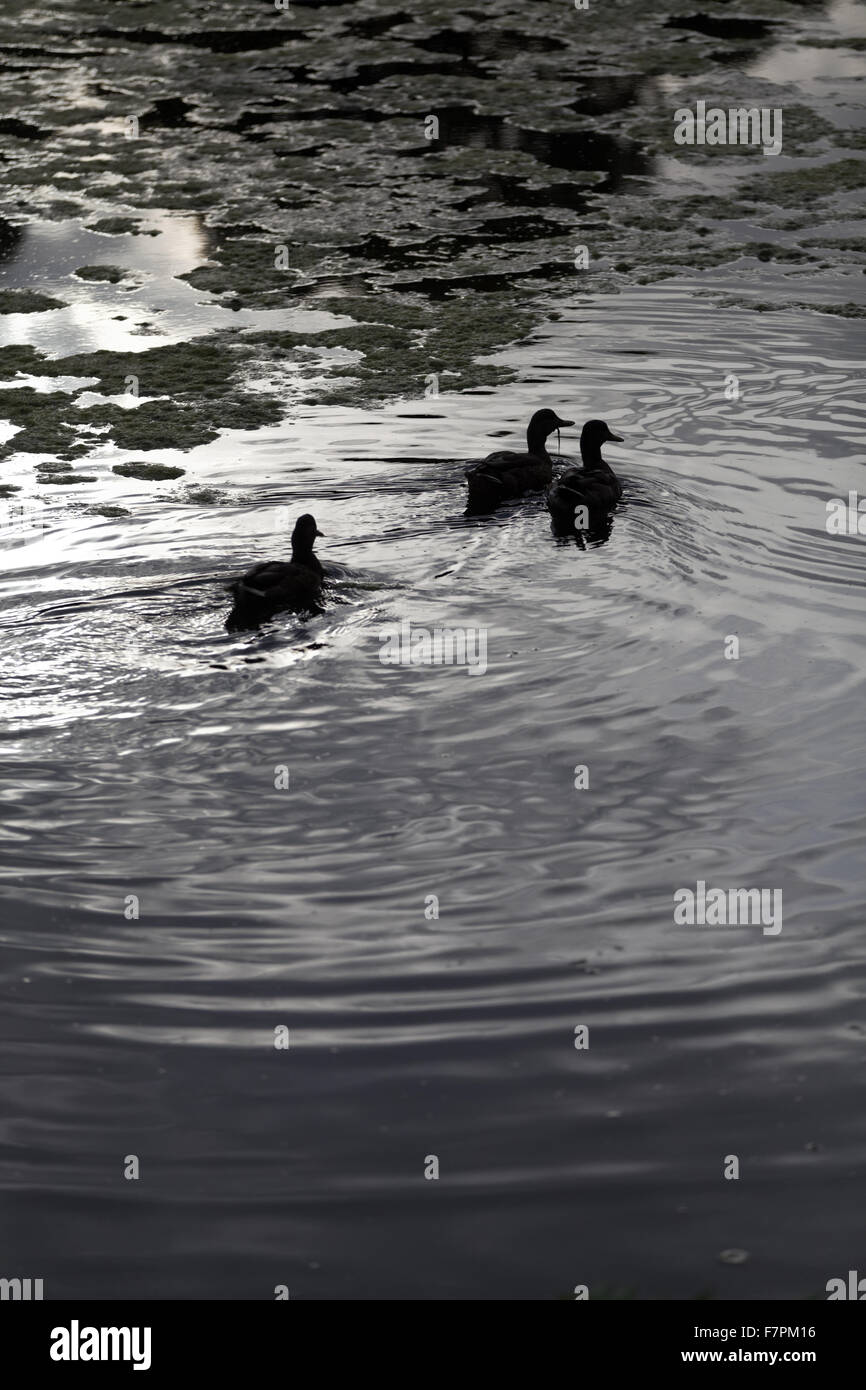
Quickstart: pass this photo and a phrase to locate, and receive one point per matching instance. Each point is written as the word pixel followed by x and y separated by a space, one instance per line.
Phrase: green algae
pixel 66 479
pixel 183 423
pixel 111 274
pixel 396 362
pixel 425 249
pixel 202 497
pixel 45 421
pixel 23 358
pixel 762 306
pixel 203 367
pixel 200 381
pixel 854 41
pixel 118 226
pixel 248 270
pixel 155 472
pixel 818 181
pixel 398 356
pixel 154 425
pixel 27 302
pixel 840 243
pixel 844 311
pixel 772 251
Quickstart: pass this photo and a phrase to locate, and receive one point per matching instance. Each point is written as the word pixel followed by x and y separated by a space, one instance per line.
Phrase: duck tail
pixel 485 490
pixel 249 608
pixel 243 591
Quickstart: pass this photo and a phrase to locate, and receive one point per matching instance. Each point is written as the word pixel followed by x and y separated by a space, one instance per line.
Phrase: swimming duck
pixel 502 475
pixel 279 585
pixel 595 486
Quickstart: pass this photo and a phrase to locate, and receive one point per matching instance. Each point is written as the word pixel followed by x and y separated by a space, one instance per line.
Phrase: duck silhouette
pixel 503 475
pixel 583 497
pixel 280 585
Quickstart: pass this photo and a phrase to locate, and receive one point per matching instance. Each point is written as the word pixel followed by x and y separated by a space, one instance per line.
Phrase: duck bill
pixel 615 438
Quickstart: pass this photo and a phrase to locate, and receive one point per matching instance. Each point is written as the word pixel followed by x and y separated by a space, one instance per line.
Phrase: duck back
pixel 595 490
pixel 274 587
pixel 503 475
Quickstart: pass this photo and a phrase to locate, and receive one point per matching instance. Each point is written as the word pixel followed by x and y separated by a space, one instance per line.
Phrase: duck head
pixel 304 536
pixel 592 436
pixel 542 424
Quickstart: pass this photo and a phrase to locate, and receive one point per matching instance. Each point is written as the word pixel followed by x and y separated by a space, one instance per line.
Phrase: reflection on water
pixel 814 67
pixel 808 65
pixel 101 316
pixel 558 150
pixel 167 906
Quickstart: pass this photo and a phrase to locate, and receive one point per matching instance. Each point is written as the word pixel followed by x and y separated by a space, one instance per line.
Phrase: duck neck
pixel 303 555
pixel 592 459
pixel 536 442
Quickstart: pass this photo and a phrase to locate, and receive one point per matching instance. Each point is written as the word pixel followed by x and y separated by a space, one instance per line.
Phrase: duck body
pixel 594 487
pixel 506 474
pixel 280 585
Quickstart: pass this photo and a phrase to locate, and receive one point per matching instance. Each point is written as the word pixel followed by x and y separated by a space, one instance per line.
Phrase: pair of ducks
pixel 579 495
pixel 594 487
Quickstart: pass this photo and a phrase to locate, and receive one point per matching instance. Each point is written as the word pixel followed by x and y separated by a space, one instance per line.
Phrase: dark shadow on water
pixel 515 192
pixel 721 27
pixel 217 40
pixel 440 287
pixel 10 238
pixel 22 130
pixel 563 529
pixel 488 45
pixel 395 255
pixel 734 57
pixel 371 27
pixel 601 95
pixel 578 150
pixel 168 113
pixel 367 74
pixel 247 121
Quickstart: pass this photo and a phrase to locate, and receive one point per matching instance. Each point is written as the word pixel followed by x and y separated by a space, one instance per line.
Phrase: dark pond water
pixel 141 742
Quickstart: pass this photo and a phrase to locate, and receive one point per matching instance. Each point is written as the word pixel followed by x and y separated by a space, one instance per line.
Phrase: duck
pixel 505 474
pixel 594 487
pixel 280 585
